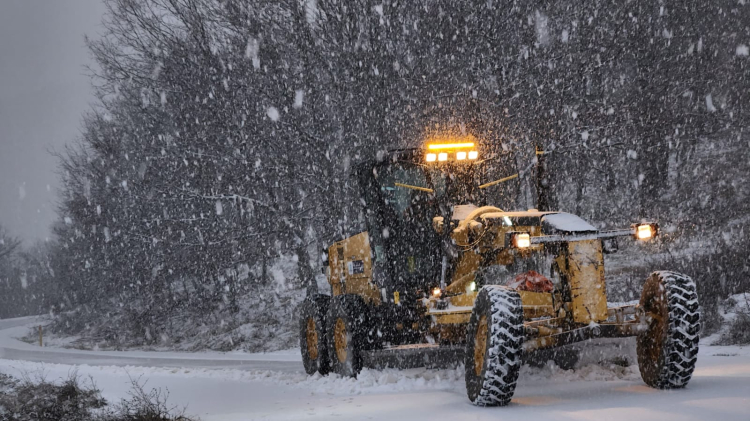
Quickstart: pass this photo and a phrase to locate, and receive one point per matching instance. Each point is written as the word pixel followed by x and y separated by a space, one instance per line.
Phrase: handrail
pixel 502 180
pixel 409 186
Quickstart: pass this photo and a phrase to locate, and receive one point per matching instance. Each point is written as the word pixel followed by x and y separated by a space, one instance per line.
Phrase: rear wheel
pixel 312 334
pixel 345 324
pixel 668 348
pixel 493 346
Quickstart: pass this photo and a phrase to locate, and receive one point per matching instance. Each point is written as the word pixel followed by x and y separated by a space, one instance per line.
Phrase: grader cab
pixel 442 276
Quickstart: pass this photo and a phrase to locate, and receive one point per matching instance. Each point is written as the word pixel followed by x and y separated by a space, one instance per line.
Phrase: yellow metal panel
pixel 498 242
pixel 364 288
pixel 452 318
pixel 335 266
pixel 586 278
pixel 344 256
pixel 464 300
pixel 540 343
pixel 530 298
pixel 536 304
pixel 337 288
pixel 357 248
pixel 505 257
pixel 466 269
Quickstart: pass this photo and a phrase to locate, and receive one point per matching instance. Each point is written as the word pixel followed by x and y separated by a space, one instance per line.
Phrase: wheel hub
pixel 480 345
pixel 312 339
pixel 657 316
pixel 339 339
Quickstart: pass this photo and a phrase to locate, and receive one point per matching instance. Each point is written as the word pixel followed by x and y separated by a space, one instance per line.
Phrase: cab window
pixel 404 203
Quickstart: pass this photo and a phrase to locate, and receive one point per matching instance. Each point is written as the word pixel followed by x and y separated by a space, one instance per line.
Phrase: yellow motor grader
pixel 440 275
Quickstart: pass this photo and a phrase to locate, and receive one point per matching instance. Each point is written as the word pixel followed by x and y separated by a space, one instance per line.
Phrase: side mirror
pixel 610 245
pixel 324 258
pixel 437 224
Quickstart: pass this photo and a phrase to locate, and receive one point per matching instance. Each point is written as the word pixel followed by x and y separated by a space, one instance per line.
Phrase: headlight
pixel 431 157
pixel 521 241
pixel 473 286
pixel 442 156
pixel 473 155
pixel 436 292
pixel 460 156
pixel 644 232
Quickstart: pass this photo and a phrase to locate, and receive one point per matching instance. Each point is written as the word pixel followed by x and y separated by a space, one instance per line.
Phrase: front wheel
pixel 668 348
pixel 493 346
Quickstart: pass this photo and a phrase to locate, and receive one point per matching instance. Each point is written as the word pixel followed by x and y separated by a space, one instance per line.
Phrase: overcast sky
pixel 44 91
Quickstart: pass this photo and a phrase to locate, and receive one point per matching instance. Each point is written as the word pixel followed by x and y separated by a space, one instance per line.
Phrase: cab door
pixel 399 218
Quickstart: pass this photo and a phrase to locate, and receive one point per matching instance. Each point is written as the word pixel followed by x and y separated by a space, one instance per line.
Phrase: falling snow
pixel 273 113
pixel 710 103
pixel 244 161
pixel 299 96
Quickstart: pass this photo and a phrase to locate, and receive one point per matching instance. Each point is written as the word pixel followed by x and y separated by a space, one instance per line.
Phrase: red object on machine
pixel 531 281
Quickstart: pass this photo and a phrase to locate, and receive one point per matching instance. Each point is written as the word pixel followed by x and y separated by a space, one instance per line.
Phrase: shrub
pixel 738 332
pixel 73 400
pixel 44 401
pixel 145 406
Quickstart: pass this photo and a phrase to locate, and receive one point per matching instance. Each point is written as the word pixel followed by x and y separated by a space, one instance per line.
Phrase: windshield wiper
pixel 502 180
pixel 409 186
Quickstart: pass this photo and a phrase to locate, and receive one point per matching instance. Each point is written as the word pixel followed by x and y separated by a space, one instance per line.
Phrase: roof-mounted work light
pixel 452 149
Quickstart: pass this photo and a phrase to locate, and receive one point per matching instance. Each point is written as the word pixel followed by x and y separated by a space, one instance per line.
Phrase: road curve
pixel 14 349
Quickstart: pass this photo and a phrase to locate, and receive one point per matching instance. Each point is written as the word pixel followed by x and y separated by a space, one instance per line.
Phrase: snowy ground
pixel 235 386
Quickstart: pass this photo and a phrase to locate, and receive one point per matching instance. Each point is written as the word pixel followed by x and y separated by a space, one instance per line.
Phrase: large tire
pixel 346 327
pixel 668 348
pixel 312 334
pixel 493 346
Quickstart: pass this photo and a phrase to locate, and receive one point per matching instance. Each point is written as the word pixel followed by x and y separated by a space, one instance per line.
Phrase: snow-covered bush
pixel 40 400
pixel 738 332
pixel 74 399
pixel 736 310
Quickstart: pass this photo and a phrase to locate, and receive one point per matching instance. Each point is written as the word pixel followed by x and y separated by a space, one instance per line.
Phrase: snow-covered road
pixel 13 349
pixel 235 386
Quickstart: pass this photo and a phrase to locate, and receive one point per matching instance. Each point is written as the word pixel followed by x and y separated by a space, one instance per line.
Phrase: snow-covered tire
pixel 668 348
pixel 312 334
pixel 346 327
pixel 494 338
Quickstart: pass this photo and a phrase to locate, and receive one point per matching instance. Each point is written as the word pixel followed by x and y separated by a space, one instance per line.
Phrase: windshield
pixel 459 184
pixel 403 187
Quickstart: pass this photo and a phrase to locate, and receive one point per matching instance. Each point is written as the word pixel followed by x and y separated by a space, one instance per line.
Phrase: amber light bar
pixel 440 146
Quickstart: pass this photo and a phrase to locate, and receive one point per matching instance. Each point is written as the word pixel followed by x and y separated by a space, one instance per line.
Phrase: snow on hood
pixel 567 222
pixel 460 212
